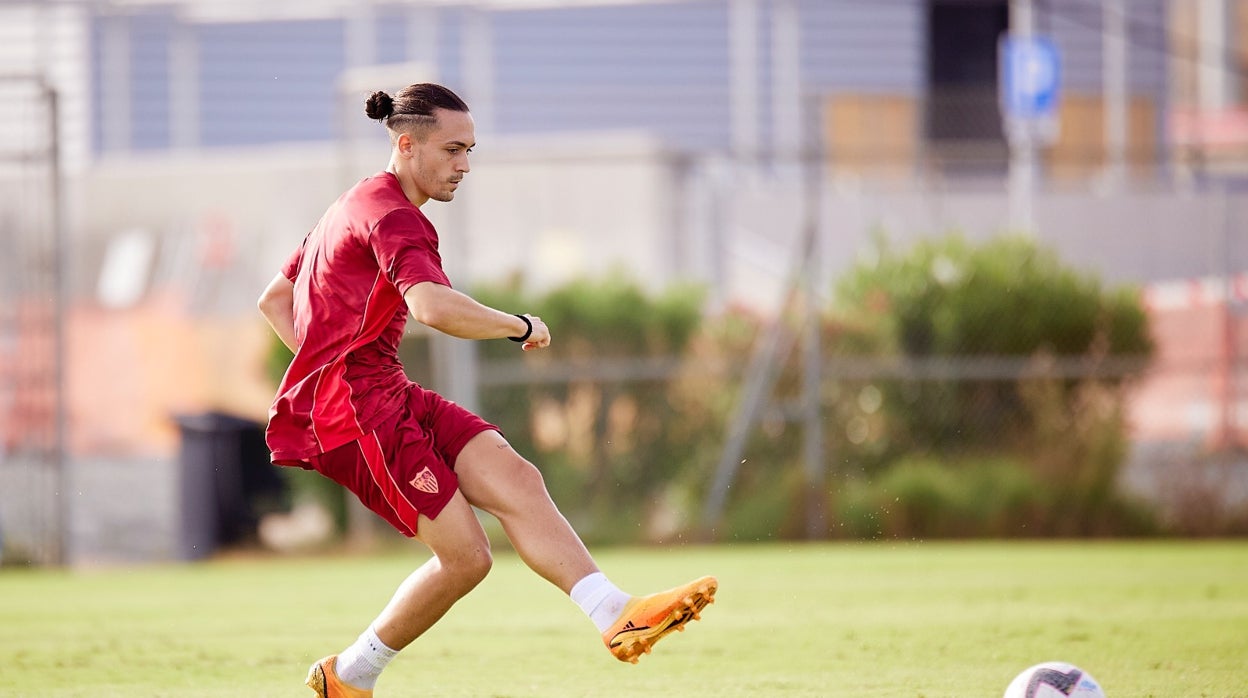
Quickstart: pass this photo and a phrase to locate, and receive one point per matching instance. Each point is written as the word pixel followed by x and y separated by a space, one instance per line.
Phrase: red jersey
pixel 350 275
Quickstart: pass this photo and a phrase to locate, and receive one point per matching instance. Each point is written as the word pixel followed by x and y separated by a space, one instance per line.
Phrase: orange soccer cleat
pixel 324 680
pixel 647 619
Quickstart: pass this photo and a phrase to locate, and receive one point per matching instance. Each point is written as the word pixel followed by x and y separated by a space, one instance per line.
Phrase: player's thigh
pixel 493 477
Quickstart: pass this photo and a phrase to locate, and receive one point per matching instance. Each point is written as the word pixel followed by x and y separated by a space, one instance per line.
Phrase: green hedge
pixel 616 454
pixel 631 460
pixel 992 496
pixel 950 299
pixel 1012 302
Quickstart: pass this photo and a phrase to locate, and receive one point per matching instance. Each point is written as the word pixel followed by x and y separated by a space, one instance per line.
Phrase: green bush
pixel 611 449
pixel 1045 445
pixel 950 300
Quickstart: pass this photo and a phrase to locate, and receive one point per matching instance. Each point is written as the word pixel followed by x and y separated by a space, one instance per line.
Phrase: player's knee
pixel 479 565
pixel 527 477
pixel 470 566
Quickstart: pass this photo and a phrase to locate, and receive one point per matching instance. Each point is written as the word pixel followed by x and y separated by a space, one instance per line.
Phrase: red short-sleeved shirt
pixel 350 275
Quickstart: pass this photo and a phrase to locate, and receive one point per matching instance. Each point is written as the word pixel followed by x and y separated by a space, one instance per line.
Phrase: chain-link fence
pixel 32 480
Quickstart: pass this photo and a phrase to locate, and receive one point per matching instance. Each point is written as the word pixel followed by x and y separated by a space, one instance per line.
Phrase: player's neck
pixel 410 190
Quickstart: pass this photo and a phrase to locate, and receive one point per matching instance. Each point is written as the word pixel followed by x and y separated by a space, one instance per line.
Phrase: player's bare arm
pixel 451 312
pixel 277 305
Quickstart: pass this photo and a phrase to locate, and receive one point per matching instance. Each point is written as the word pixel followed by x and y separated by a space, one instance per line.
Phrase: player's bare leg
pixel 495 478
pixel 461 559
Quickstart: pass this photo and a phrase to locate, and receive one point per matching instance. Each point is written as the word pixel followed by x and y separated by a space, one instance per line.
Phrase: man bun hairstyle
pixel 412 110
pixel 379 106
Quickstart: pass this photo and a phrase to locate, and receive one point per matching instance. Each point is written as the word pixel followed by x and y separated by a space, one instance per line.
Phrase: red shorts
pixel 406 466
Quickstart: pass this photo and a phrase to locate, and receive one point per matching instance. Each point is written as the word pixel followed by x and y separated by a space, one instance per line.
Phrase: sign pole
pixel 1022 145
pixel 1114 41
pixel 1030 76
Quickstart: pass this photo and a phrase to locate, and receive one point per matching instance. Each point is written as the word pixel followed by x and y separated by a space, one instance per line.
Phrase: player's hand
pixel 539 338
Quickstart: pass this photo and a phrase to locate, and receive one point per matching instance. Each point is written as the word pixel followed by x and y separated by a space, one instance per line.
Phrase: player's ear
pixel 404 144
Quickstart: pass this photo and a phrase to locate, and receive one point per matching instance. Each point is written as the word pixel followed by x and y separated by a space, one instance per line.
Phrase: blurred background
pixel 815 268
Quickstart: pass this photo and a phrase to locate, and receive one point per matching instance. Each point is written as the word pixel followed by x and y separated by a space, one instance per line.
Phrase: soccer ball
pixel 1054 680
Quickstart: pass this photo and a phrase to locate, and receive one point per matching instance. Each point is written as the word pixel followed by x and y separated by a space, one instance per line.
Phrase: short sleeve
pixel 291 268
pixel 406 247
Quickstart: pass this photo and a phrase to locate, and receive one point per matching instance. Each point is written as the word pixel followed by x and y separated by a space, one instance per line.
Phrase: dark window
pixel 963 114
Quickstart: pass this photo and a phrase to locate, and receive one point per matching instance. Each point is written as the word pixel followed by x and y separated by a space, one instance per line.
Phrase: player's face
pixel 441 160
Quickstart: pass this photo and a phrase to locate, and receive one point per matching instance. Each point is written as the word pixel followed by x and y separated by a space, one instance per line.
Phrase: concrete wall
pixel 548 208
pixel 1136 237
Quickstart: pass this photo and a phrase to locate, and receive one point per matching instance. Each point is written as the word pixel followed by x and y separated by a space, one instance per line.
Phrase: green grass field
pixel 917 619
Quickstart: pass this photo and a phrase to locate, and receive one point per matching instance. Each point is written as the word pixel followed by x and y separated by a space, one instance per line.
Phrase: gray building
pixel 702 75
pixel 893 97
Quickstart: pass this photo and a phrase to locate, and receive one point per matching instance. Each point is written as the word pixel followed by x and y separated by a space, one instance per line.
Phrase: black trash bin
pixel 225 482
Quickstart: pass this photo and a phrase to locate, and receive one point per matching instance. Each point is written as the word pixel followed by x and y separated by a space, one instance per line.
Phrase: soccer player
pixel 346 409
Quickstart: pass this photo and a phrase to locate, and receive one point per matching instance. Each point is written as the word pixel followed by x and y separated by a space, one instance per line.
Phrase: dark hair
pixel 412 108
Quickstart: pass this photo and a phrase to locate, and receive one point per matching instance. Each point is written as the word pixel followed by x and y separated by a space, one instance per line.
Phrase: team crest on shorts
pixel 425 481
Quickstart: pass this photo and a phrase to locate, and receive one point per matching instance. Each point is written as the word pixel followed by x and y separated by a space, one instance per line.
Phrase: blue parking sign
pixel 1031 74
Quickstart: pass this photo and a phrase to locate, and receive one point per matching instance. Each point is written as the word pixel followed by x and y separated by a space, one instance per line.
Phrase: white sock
pixel 361 663
pixel 601 600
